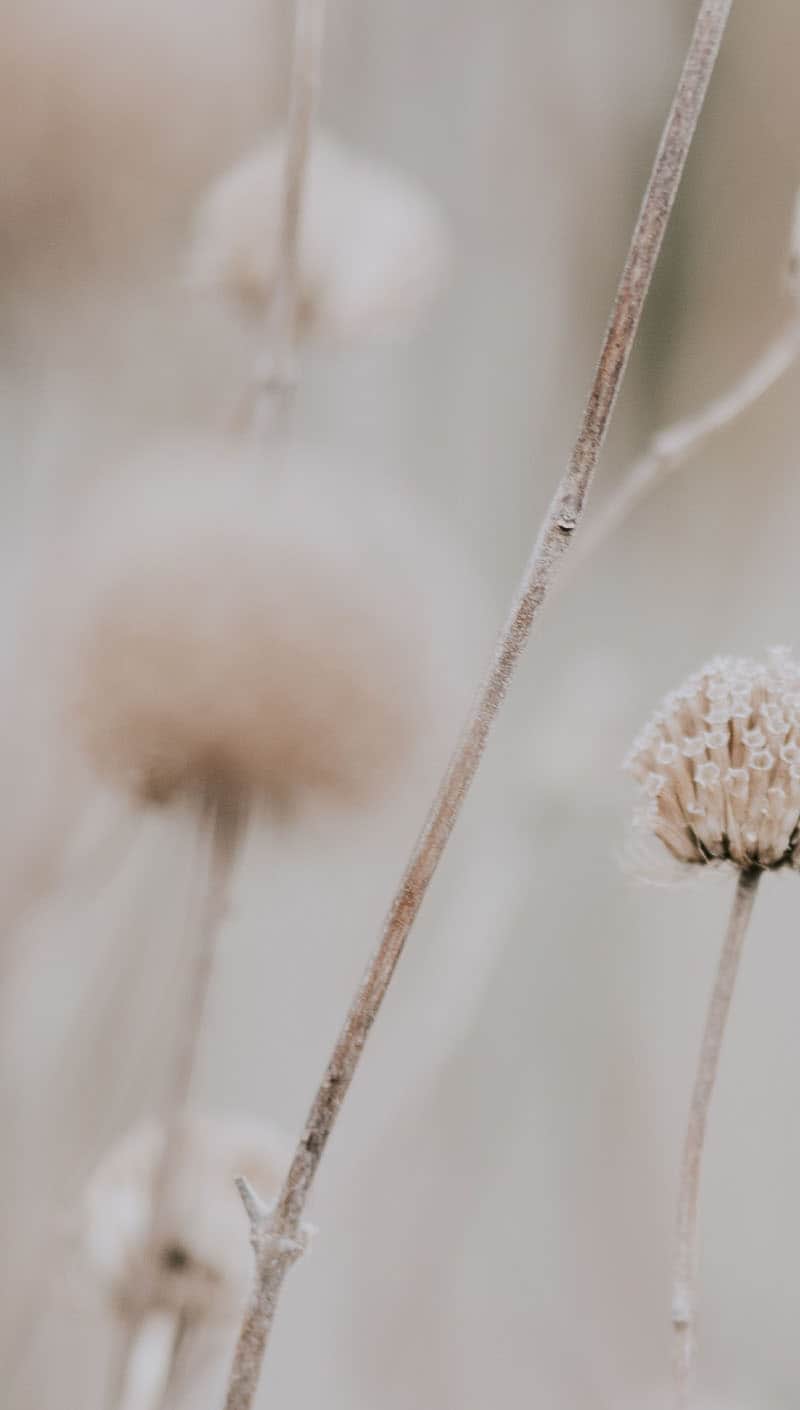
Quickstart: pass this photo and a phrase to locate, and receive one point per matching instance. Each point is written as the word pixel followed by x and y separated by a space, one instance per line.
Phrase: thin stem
pixel 684 1286
pixel 149 1362
pixel 672 446
pixel 220 828
pixel 275 373
pixel 275 1253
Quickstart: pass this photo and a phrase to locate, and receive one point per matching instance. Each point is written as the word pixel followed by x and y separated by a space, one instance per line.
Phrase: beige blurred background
pixel 495 1208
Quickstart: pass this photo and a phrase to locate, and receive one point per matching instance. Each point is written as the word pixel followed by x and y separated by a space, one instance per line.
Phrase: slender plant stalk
pixel 143 1379
pixel 277 1233
pixel 684 1288
pixel 149 1362
pixel 275 374
pixel 672 446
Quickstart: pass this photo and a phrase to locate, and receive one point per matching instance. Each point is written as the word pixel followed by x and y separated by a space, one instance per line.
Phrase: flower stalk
pixel 684 1286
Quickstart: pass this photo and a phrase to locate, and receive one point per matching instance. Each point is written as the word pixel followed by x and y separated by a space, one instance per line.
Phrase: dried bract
pixel 373 248
pixel 233 637
pixel 720 764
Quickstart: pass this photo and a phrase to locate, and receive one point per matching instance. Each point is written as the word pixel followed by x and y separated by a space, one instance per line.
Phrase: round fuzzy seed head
pixel 373 249
pixel 719 764
pixel 238 638
pixel 203 1257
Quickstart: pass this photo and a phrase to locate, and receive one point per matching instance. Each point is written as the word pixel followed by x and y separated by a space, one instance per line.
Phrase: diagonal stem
pixel 684 1286
pixel 274 1255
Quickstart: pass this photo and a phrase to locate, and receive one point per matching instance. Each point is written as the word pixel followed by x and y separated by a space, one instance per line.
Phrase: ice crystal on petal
pixel 719 764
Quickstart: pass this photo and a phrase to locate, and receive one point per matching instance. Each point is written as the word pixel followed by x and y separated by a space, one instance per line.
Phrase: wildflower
pixel 373 248
pixel 719 764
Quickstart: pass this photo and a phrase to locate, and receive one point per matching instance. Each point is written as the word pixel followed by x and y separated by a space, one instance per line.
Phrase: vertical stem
pixel 276 1246
pixel 149 1338
pixel 684 1287
pixel 275 373
pixel 220 825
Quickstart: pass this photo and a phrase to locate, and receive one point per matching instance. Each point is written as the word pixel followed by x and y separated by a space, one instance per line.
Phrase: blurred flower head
pixel 373 248
pixel 719 764
pixel 226 634
pixel 204 1262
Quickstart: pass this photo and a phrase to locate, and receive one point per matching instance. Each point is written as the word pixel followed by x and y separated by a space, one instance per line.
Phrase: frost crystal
pixel 719 764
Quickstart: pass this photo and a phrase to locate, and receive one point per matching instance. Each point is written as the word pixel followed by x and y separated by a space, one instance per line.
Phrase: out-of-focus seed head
pixel 719 764
pixel 373 247
pixel 229 635
pixel 200 1264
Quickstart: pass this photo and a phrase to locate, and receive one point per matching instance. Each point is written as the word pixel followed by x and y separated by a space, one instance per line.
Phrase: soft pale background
pixel 495 1209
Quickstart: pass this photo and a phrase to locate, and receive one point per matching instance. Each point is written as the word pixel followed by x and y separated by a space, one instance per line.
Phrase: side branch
pixel 672 446
pixel 552 543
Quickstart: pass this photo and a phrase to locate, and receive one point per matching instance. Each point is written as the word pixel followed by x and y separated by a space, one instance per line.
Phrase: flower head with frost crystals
pixel 719 764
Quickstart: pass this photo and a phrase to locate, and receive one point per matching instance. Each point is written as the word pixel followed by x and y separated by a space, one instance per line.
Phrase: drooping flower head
pixel 719 764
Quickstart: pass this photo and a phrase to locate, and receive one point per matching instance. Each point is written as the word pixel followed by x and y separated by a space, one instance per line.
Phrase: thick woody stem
pixel 684 1287
pixel 553 541
pixel 275 373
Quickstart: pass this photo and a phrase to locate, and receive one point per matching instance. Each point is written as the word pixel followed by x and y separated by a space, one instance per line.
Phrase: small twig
pixel 554 539
pixel 672 446
pixel 684 1285
pixel 271 393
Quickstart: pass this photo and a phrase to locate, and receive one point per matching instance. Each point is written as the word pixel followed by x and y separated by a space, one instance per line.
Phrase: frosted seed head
pixel 723 806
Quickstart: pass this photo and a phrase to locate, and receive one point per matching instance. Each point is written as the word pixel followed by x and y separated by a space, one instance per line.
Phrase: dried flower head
pixel 720 764
pixel 373 248
pixel 241 638
pixel 203 1257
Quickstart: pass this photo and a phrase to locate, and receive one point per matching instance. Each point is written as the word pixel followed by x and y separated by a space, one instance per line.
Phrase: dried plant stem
pixel 149 1362
pixel 154 1337
pixel 275 373
pixel 277 1235
pixel 685 1261
pixel 672 446
pixel 220 828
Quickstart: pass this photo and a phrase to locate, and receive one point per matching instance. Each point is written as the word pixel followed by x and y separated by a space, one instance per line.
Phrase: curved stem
pixel 276 1237
pixel 684 1286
